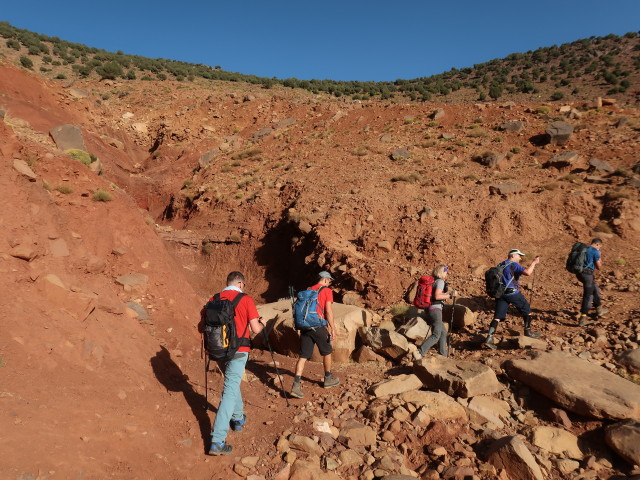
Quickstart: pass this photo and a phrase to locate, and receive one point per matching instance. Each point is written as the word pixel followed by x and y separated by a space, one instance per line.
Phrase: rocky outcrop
pixel 577 385
pixel 624 438
pixel 459 378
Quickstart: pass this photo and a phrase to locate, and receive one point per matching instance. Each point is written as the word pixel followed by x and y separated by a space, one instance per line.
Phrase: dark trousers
pixel 590 291
pixel 517 300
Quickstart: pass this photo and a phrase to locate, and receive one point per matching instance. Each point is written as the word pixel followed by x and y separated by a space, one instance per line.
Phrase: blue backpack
pixel 305 314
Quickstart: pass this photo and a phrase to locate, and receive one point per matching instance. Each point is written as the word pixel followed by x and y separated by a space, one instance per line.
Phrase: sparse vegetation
pixel 399 310
pixel 409 178
pixel 603 227
pixel 81 156
pixel 543 110
pixel 596 59
pixel 621 262
pixel 65 189
pixel 206 248
pixel 101 196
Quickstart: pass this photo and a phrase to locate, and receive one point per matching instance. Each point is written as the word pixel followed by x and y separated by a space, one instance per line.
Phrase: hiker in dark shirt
pixel 590 290
pixel 512 296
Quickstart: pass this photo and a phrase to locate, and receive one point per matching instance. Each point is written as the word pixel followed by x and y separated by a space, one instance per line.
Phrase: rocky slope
pixel 101 361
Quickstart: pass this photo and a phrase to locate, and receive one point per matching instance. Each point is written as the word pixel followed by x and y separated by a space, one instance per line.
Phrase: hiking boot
pixel 601 311
pixel 238 425
pixel 488 343
pixel 296 390
pixel 331 381
pixel 530 334
pixel 220 448
pixel 583 321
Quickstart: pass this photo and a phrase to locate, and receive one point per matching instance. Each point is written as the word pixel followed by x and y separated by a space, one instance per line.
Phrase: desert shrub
pixel 603 227
pixel 187 183
pixel 26 62
pixel 80 155
pixel 13 44
pixel 477 133
pixel 110 70
pixel 615 195
pixel 621 262
pixel 101 196
pixel 551 186
pixel 246 154
pixel 557 95
pixel 570 177
pixel 497 139
pixel 409 178
pixel 543 109
pixel 495 91
pixel 206 248
pixel 399 309
pixel 66 189
pixel 61 76
pixel 515 150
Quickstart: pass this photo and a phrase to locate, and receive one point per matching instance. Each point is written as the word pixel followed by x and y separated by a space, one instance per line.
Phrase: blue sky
pixel 341 40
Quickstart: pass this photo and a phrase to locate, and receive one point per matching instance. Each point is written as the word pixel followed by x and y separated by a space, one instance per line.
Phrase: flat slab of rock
pixel 601 165
pixel 514 126
pixel 531 343
pixel 460 378
pixel 578 385
pixel 396 385
pixel 439 405
pixel 132 280
pixel 23 169
pixel 624 438
pixel 512 454
pixel 556 440
pixel 489 409
pixel 68 136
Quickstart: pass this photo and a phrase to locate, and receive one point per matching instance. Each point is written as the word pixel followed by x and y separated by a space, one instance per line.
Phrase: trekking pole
pixel 266 339
pixel 533 284
pixel 453 311
pixel 206 384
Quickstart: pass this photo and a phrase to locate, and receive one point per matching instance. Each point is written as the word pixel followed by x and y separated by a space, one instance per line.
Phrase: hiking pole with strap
pixel 450 332
pixel 266 339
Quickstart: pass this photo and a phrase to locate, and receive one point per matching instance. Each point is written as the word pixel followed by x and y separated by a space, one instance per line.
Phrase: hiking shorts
pixel 318 336
pixel 515 299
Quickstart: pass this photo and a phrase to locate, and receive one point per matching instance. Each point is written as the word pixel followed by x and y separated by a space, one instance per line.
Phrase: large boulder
pixel 577 385
pixel 559 133
pixel 512 455
pixel 463 316
pixel 460 378
pixel 624 438
pixel 438 404
pixel 67 137
pixel 631 359
pixel 284 338
pixel 556 440
pixel 415 329
pixel 385 342
pixel 396 385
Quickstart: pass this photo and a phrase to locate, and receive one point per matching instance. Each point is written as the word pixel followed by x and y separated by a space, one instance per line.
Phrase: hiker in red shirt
pixel 231 409
pixel 320 336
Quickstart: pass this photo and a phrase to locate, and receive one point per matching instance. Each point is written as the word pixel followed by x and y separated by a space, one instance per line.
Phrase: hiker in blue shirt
pixel 590 290
pixel 511 278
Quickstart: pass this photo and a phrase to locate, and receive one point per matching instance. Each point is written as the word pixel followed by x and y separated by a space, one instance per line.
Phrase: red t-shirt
pixel 325 295
pixel 245 311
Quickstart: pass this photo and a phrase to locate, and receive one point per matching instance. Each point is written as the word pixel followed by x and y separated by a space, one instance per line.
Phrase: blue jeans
pixel 438 333
pixel 590 291
pixel 231 405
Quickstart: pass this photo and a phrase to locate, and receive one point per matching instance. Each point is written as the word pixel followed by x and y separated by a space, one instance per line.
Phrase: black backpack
pixel 221 339
pixel 494 282
pixel 576 258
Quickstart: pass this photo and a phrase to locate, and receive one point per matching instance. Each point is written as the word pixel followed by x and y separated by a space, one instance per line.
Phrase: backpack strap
pixel 244 341
pixel 512 275
pixel 323 317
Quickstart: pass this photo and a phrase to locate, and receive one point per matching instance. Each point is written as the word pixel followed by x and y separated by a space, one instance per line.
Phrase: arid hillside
pixel 105 264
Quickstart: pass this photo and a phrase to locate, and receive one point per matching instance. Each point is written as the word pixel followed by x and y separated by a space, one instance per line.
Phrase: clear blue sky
pixel 340 40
